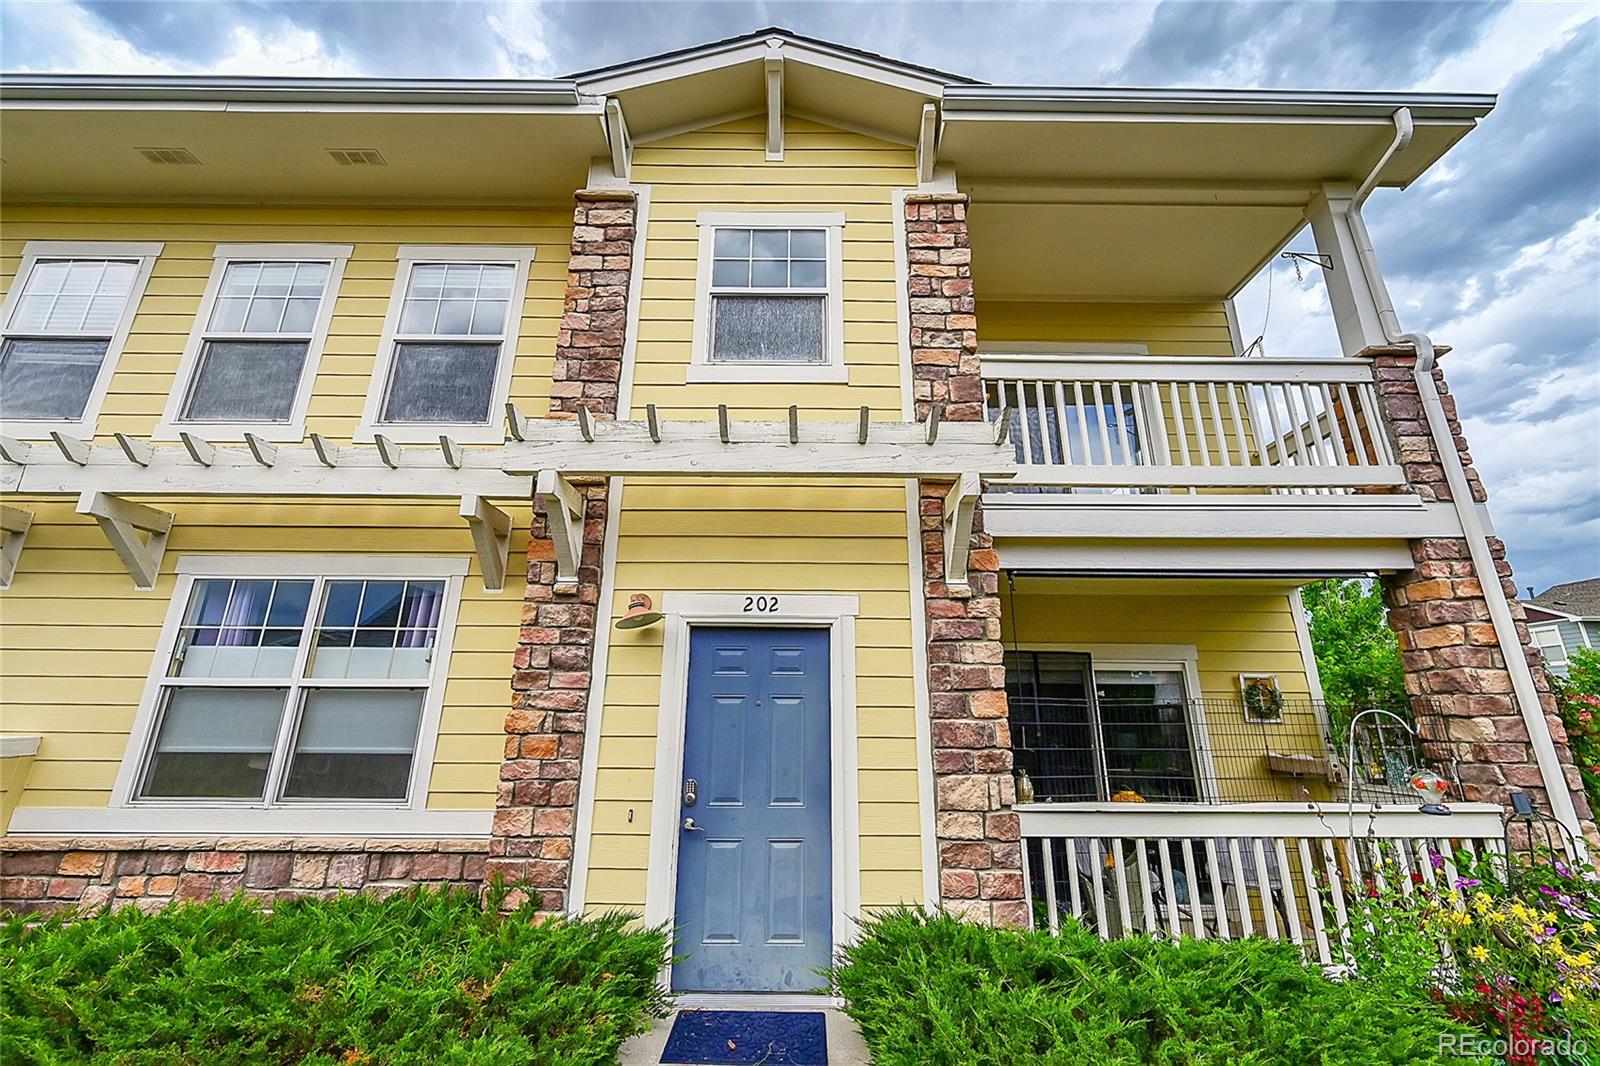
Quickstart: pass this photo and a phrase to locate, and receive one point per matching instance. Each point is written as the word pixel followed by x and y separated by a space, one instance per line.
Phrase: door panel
pixel 754 904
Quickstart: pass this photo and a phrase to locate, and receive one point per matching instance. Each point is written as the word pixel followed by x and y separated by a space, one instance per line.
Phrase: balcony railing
pixel 1149 424
pixel 1285 871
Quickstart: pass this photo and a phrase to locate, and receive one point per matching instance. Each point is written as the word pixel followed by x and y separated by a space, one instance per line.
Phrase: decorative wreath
pixel 1263 701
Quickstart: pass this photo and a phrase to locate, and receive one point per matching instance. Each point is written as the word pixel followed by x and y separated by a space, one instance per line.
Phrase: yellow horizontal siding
pixel 794 535
pixel 1232 631
pixel 72 613
pixel 145 373
pixel 1167 328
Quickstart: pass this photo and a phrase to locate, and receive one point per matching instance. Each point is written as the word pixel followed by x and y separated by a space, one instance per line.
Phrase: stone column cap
pixel 606 195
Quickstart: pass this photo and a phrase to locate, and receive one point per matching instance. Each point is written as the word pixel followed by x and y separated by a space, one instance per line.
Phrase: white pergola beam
pixel 122 521
pixel 14 525
pixel 320 469
pixel 563 512
pixel 960 504
pixel 491 538
pixel 774 78
pixel 725 447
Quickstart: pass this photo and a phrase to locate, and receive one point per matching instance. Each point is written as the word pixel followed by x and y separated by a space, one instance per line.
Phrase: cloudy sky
pixel 1496 252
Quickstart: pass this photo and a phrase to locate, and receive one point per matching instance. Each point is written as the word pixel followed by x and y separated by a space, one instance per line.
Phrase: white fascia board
pixel 100 89
pixel 1063 517
pixel 1425 107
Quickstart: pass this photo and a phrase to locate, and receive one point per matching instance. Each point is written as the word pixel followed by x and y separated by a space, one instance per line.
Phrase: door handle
pixel 688 824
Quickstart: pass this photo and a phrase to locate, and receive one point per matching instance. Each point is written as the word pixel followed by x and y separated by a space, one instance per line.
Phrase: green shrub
pixel 1578 697
pixel 940 991
pixel 420 977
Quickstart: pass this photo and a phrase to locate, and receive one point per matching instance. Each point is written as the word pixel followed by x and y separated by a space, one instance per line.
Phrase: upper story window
pixel 65 321
pixel 297 688
pixel 449 343
pixel 768 304
pixel 257 340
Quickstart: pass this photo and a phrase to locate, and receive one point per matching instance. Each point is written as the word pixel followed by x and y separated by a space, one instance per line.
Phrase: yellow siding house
pixel 748 488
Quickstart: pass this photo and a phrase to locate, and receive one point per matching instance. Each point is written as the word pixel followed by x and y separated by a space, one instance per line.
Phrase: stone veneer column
pixel 1437 609
pixel 980 850
pixel 535 820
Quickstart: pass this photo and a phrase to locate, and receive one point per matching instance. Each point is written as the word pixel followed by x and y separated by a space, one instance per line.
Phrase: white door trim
pixel 684 610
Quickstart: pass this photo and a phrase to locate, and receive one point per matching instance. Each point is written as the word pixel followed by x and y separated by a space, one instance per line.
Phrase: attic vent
pixel 357 157
pixel 170 156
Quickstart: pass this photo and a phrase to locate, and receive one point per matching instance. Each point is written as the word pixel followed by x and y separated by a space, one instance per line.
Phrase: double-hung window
pixel 768 304
pixel 449 344
pixel 285 690
pixel 256 342
pixel 65 321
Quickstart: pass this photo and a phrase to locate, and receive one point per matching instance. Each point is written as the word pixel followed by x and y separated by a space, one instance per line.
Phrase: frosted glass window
pixel 769 293
pixel 58 334
pixel 767 329
pixel 257 337
pixel 246 381
pixel 295 689
pixel 44 378
pixel 454 320
pixel 215 743
pixel 355 744
pixel 441 383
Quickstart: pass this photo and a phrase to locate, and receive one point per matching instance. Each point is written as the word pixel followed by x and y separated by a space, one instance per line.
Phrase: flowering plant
pixel 1518 957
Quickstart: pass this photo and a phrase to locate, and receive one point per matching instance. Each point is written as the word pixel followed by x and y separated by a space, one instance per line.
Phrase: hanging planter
pixel 1263 700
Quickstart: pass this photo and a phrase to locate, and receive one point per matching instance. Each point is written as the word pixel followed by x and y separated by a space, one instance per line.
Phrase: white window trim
pixel 836 614
pixel 259 815
pixel 292 431
pixel 146 252
pixel 833 368
pixel 490 432
pixel 1553 629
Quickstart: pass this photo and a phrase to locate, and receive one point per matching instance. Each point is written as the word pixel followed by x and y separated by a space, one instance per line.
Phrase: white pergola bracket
pixel 327 452
pixel 122 521
pixel 15 451
pixel 960 504
pixel 135 449
pixel 14 525
pixel 774 78
pixel 516 423
pixel 491 537
pixel 563 513
pixel 75 449
pixel 263 453
pixel 451 452
pixel 620 142
pixel 201 451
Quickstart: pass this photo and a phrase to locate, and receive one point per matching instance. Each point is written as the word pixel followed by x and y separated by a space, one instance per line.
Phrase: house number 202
pixel 760 604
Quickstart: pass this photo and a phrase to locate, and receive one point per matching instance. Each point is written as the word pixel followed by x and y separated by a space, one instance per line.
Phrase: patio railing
pixel 1286 871
pixel 1145 423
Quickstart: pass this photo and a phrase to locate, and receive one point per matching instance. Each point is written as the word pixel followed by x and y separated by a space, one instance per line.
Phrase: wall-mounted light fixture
pixel 641 612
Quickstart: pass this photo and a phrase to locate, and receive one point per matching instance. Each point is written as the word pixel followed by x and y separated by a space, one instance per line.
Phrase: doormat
pixel 793 1038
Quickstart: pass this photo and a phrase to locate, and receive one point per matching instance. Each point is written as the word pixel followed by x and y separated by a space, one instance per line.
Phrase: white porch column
pixel 1355 311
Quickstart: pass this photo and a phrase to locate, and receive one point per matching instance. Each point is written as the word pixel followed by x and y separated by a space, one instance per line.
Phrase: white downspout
pixel 1466 508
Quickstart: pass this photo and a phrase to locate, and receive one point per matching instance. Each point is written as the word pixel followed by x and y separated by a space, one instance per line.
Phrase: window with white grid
pixel 295 689
pixel 450 342
pixel 769 302
pixel 255 342
pixel 63 325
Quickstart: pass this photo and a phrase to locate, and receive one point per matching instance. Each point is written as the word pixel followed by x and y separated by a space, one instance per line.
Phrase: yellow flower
pixel 1582 958
pixel 1588 927
pixel 1479 953
pixel 1480 902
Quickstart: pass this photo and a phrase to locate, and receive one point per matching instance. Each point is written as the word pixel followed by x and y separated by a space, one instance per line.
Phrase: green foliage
pixel 1357 654
pixel 424 977
pixel 935 990
pixel 1578 697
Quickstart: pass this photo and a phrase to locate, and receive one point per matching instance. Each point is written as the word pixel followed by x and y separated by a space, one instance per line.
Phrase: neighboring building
pixel 337 444
pixel 1564 618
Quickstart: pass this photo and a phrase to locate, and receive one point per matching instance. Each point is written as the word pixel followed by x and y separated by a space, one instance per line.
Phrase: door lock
pixel 691 792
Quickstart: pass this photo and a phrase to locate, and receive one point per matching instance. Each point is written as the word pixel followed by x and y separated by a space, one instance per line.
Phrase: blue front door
pixel 755 869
